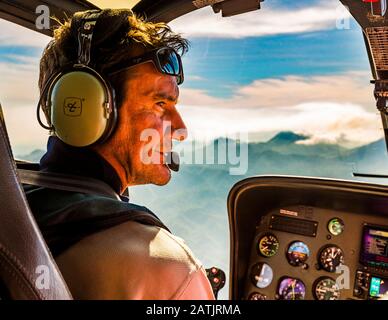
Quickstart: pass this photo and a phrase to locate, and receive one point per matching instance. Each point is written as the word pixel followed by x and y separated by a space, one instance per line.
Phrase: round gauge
pixel 257 296
pixel 297 253
pixel 326 289
pixel 268 245
pixel 331 257
pixel 336 226
pixel 261 275
pixel 291 289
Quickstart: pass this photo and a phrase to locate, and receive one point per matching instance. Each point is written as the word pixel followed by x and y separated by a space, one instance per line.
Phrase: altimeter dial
pixel 268 245
pixel 331 257
pixel 326 288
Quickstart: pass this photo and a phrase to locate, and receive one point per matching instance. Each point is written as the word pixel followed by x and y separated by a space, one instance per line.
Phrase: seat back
pixel 27 269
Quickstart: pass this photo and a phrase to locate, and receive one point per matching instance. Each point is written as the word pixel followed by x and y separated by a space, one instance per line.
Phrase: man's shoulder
pixel 138 239
pixel 134 257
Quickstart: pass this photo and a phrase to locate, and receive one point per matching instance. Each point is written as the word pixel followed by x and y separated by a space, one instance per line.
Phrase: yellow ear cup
pixel 78 108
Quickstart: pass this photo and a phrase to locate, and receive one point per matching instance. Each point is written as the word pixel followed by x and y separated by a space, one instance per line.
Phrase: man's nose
pixel 179 130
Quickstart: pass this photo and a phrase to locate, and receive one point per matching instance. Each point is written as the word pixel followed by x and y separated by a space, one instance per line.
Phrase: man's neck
pixel 116 165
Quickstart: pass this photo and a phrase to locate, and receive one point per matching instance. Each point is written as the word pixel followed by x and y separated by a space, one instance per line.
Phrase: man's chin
pixel 157 174
pixel 163 176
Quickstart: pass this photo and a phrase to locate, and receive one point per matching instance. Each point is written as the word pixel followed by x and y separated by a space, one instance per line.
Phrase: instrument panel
pixel 302 252
pixel 308 239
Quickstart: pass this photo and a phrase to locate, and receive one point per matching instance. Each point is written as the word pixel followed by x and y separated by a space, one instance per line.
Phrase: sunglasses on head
pixel 165 59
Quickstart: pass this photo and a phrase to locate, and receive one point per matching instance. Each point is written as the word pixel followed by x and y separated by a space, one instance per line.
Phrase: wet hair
pixel 117 35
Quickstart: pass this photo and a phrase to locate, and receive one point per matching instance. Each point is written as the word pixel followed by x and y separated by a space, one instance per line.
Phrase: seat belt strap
pixel 66 183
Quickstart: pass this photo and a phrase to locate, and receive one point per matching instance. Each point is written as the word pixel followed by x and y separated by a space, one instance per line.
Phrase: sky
pixel 293 65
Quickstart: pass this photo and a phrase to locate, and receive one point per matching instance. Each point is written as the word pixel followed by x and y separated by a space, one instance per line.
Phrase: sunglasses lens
pixel 170 64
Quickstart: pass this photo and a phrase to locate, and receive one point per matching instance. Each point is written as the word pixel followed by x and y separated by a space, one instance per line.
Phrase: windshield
pixel 290 85
pixel 284 90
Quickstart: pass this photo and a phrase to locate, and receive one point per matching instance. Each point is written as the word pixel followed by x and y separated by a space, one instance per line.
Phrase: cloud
pixel 15 35
pixel 280 93
pixel 23 129
pixel 331 108
pixel 197 78
pixel 347 124
pixel 19 92
pixel 20 82
pixel 18 96
pixel 267 21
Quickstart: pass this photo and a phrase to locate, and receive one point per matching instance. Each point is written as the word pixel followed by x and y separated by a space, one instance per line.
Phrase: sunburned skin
pixel 150 103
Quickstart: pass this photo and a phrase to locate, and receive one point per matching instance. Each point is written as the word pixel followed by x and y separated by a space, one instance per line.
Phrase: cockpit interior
pixel 290 237
pixel 303 238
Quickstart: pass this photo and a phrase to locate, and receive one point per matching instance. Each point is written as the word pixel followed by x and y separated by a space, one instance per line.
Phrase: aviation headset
pixel 80 102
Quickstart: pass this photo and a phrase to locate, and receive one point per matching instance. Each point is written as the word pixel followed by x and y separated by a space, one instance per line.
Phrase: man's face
pixel 141 138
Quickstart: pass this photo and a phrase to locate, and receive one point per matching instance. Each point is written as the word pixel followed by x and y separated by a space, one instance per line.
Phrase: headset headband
pixel 85 34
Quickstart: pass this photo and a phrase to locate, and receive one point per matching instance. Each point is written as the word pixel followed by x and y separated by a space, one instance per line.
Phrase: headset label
pixel 72 106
